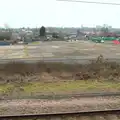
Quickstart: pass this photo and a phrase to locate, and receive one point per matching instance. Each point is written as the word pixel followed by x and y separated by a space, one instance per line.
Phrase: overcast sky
pixel 34 13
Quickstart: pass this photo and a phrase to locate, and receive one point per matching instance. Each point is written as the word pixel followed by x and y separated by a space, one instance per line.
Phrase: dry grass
pixel 24 72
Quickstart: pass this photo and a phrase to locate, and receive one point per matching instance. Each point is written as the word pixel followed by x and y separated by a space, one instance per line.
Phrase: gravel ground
pixel 31 106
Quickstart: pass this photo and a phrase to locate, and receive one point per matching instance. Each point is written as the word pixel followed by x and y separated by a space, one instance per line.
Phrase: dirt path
pixel 15 107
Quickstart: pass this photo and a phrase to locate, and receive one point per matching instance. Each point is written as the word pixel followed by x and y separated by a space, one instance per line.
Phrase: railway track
pixel 60 115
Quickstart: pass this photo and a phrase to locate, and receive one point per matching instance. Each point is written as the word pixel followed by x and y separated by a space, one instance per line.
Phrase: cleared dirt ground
pixel 61 49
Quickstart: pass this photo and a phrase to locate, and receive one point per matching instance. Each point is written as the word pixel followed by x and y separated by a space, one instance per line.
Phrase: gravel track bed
pixel 32 106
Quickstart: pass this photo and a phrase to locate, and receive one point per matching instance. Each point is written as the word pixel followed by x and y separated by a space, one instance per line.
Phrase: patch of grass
pixel 6 88
pixel 64 87
pixel 57 88
pixel 35 43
